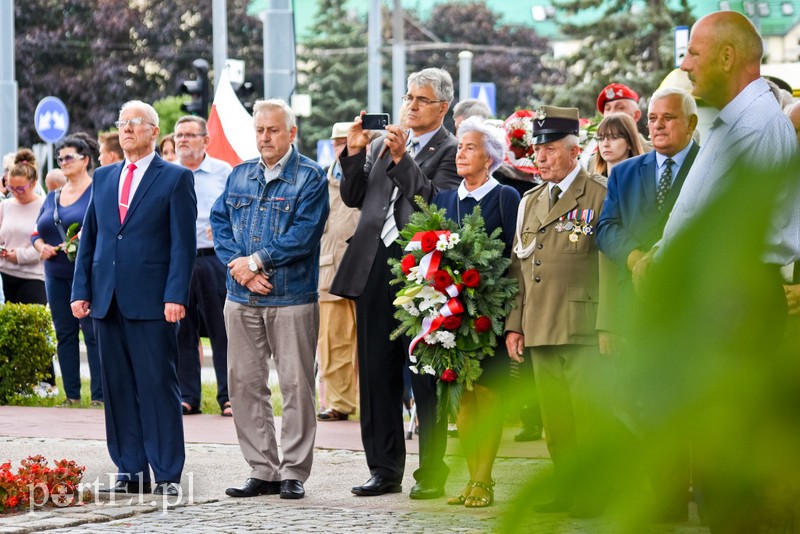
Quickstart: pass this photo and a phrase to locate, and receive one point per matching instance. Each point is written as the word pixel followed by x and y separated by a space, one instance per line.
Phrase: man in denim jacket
pixel 267 227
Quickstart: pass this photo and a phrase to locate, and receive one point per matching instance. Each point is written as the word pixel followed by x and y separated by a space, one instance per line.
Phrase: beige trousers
pixel 288 335
pixel 338 358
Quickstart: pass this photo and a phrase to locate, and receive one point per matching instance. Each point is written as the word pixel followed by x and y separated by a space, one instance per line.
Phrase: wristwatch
pixel 252 264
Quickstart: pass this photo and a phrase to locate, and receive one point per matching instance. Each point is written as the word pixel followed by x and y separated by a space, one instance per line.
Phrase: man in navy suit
pixel 641 193
pixel 132 277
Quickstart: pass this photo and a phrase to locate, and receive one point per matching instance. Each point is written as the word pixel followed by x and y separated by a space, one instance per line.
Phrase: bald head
pixel 724 56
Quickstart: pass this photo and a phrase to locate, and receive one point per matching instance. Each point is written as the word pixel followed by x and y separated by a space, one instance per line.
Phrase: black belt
pixel 205 252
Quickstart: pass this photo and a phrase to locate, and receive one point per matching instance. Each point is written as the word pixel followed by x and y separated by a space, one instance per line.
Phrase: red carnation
pixel 441 280
pixel 452 322
pixel 471 278
pixel 448 375
pixel 428 241
pixel 483 324
pixel 407 263
pixel 518 133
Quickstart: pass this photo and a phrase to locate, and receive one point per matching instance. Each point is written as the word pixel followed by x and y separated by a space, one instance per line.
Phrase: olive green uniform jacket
pixel 558 284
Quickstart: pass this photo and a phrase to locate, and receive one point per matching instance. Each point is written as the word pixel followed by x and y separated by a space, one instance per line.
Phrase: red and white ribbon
pixel 431 324
pixel 416 241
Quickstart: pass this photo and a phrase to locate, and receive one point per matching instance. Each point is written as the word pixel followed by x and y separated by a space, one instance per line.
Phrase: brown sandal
pixel 460 499
pixel 481 502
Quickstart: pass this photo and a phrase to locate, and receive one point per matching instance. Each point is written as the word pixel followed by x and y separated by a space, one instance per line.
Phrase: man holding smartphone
pixel 382 180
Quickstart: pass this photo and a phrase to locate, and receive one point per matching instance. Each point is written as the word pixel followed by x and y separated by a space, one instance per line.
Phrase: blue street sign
pixel 681 44
pixel 325 153
pixel 51 119
pixel 486 93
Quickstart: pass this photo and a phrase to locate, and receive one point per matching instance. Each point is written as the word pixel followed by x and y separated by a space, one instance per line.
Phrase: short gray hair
pixel 471 107
pixel 688 103
pixel 276 103
pixel 494 142
pixel 437 79
pixel 149 110
pixel 195 119
pixel 570 141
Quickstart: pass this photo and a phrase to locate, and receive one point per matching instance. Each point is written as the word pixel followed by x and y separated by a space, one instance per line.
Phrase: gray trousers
pixel 288 335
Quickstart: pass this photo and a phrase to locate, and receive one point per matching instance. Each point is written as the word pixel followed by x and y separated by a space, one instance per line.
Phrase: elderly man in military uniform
pixel 555 260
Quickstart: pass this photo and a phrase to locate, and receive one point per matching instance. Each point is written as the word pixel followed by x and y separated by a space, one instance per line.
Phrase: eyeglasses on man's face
pixel 420 100
pixel 136 121
pixel 69 158
pixel 189 135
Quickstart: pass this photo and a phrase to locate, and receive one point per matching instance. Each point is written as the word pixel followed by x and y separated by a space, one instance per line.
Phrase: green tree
pixel 625 42
pixel 510 55
pixel 333 71
pixel 97 54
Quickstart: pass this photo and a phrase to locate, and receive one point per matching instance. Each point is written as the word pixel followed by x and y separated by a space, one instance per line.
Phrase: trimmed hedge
pixel 27 345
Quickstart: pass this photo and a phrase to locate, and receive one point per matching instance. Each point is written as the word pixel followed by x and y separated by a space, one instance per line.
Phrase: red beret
pixel 615 91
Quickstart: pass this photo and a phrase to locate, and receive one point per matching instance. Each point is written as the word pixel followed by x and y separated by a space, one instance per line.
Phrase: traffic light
pixel 247 96
pixel 198 89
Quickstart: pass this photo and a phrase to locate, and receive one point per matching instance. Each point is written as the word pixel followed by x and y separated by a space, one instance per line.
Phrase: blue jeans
pixel 67 328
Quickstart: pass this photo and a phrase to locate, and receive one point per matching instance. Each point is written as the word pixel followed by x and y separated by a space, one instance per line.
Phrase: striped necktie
pixel 389 232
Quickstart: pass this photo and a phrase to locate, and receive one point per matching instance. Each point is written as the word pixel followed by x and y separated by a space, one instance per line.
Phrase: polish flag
pixel 230 126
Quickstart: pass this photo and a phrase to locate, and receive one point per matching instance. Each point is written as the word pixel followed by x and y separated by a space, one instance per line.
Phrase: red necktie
pixel 126 193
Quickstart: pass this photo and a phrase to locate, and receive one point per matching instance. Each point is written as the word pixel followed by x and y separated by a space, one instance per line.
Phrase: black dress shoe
pixel 528 433
pixel 124 487
pixel 292 489
pixel 170 489
pixel 254 487
pixel 423 491
pixel 377 485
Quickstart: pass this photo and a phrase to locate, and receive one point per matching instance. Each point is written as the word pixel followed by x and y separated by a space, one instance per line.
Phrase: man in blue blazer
pixel 642 190
pixel 132 277
pixel 641 193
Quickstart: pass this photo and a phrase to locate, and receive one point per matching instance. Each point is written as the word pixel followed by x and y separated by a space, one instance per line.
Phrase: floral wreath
pixel 519 141
pixel 453 298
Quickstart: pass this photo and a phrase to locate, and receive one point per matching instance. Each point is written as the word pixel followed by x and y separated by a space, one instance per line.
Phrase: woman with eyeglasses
pixel 617 140
pixel 20 268
pixel 61 209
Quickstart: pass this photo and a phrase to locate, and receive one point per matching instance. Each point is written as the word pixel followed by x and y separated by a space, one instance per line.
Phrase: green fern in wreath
pixel 454 295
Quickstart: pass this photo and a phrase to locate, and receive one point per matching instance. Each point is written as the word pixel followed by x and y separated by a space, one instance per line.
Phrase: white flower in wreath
pixel 410 309
pixel 441 245
pixel 447 339
pixel 430 339
pixel 413 369
pixel 415 276
pixel 430 298
pixel 429 370
pixel 412 358
pixel 454 240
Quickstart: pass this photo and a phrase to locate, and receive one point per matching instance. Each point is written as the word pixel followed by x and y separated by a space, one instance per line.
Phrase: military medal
pixel 577 224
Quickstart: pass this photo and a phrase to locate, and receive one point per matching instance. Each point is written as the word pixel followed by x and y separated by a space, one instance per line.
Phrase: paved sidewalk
pixel 214 462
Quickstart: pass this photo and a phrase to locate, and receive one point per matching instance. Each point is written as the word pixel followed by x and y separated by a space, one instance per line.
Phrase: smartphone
pixel 374 121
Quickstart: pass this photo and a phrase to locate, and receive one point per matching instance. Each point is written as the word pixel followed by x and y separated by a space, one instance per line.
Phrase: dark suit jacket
pixel 147 260
pixel 631 221
pixel 368 183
